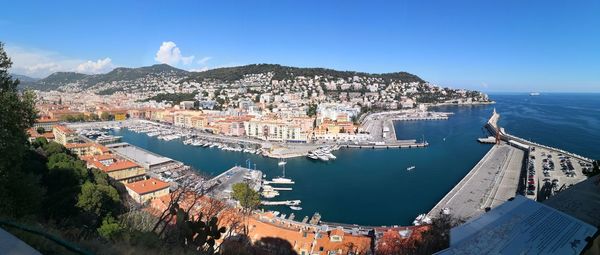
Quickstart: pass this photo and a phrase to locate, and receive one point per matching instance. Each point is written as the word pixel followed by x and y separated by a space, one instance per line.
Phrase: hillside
pixel 121 74
pixel 24 78
pixel 288 73
pixel 123 78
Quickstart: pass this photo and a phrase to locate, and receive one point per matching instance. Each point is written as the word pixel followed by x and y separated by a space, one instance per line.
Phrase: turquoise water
pixel 373 187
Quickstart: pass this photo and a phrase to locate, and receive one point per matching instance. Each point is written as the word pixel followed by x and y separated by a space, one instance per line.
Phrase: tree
pixel 249 199
pixel 53 148
pixel 19 191
pixel 41 130
pixel 312 110
pixel 99 200
pixel 110 229
pixel 105 116
pixel 40 142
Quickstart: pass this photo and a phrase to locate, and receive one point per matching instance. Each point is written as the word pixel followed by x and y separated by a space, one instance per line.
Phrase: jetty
pixel 399 144
pixel 286 202
pixel 380 127
pixel 501 174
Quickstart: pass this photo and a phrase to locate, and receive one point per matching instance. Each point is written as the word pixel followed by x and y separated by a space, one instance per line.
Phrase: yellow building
pixel 146 190
pixel 123 171
pixel 63 135
pixel 120 116
pixel 86 149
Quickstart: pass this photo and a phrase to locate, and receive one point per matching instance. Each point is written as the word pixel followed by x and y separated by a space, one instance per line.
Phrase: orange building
pixel 84 149
pixel 64 135
pixel 146 190
pixel 122 170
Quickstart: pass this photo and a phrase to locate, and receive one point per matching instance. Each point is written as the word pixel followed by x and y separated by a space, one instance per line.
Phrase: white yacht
pixel 282 163
pixel 282 180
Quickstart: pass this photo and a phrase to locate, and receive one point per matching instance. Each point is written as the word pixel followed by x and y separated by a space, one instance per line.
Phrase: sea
pixel 373 187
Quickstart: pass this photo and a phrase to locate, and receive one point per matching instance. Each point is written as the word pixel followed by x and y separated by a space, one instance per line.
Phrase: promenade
pixel 491 182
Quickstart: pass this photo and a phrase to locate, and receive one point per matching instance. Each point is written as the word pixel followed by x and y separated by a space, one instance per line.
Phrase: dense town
pixel 298 110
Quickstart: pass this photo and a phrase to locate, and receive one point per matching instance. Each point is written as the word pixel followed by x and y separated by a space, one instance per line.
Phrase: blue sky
pixel 484 45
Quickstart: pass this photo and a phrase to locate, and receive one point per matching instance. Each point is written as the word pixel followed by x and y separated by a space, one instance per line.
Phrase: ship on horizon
pixel 534 93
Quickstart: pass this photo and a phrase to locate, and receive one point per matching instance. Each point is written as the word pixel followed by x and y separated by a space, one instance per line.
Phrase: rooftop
pixel 520 226
pixel 143 157
pixel 147 186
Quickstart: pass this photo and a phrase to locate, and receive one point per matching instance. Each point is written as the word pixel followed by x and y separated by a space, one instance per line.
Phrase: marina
pixel 448 140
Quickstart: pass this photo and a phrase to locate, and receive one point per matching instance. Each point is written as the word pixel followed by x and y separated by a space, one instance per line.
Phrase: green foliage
pixel 19 191
pixel 248 198
pixel 287 72
pixel 40 130
pixel 105 116
pixel 175 98
pixel 80 117
pixel 58 79
pixel 312 110
pixel 39 142
pixel 97 199
pixel 53 148
pixel 110 229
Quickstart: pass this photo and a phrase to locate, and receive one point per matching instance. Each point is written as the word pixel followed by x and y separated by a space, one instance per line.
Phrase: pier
pixel 501 174
pixel 221 185
pixel 398 144
pixel 381 128
pixel 493 180
pixel 286 202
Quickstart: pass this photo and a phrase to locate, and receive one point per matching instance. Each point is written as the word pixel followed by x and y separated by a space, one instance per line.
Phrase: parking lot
pixel 549 172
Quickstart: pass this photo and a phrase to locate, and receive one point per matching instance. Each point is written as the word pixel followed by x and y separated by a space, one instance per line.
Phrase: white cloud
pixel 203 60
pixel 100 66
pixel 169 53
pixel 201 69
pixel 41 63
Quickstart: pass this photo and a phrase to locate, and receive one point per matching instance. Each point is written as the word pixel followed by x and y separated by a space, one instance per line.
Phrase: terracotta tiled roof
pixel 119 165
pixel 78 145
pixel 64 129
pixel 147 186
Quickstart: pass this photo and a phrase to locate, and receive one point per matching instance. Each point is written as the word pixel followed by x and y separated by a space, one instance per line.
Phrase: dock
pixel 501 174
pixel 493 180
pixel 282 189
pixel 221 185
pixel 398 144
pixel 286 202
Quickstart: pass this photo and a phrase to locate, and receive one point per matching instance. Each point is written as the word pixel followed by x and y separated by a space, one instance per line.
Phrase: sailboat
pixel 281 162
pixel 282 179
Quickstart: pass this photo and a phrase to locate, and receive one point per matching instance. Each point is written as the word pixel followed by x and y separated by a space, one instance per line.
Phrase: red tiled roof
pixel 119 165
pixel 64 129
pixel 147 186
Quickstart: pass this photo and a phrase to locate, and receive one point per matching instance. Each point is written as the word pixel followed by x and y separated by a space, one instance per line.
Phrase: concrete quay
pixel 389 145
pixel 221 186
pixel 493 180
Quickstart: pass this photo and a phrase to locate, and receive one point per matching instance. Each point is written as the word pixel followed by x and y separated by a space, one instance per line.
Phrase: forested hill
pixel 162 73
pixel 289 73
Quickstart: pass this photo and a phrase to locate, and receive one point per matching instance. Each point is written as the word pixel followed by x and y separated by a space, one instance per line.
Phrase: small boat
pixel 534 93
pixel 410 168
pixel 312 156
pixel 421 220
pixel 295 208
pixel 281 163
pixel 282 180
